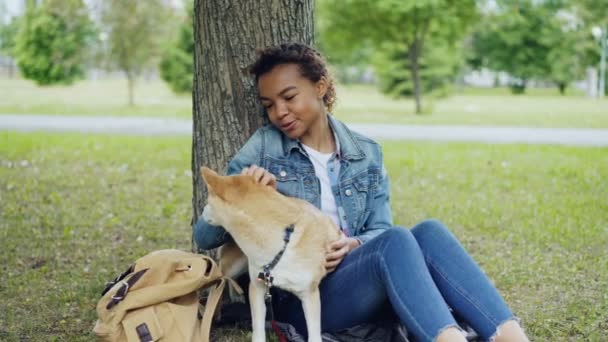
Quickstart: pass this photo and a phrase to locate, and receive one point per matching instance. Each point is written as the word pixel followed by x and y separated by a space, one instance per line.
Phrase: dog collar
pixel 265 274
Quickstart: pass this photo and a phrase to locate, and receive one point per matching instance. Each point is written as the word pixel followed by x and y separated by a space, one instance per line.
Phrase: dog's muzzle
pixel 207 214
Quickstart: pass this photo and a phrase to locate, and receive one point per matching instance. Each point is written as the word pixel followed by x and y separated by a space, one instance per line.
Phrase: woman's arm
pixel 381 217
pixel 208 236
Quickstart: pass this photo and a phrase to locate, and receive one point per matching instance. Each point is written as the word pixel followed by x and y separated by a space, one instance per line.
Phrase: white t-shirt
pixel 328 201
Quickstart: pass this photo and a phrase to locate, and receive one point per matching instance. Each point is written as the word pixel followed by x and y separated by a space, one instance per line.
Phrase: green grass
pixel 103 97
pixel 76 210
pixel 535 218
pixel 539 108
pixel 488 107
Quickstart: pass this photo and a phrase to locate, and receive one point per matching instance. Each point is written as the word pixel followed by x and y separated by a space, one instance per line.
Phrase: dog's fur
pixel 256 216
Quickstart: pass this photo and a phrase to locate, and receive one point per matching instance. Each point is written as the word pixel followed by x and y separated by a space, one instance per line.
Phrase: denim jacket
pixel 361 186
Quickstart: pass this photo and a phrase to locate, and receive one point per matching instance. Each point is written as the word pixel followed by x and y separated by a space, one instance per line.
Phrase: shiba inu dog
pixel 285 240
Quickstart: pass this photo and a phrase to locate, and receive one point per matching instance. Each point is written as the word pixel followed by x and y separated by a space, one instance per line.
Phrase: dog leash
pixel 266 276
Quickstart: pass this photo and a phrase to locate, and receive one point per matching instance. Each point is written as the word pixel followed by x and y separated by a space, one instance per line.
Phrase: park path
pixel 160 126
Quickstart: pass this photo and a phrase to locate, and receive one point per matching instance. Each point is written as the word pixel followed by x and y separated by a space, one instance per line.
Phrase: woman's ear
pixel 322 86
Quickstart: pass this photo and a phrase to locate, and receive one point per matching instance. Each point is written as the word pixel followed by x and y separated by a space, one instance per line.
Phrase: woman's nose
pixel 281 109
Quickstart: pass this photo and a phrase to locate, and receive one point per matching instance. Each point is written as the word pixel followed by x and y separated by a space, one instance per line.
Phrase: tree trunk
pixel 414 55
pixel 562 87
pixel 130 85
pixel 226 110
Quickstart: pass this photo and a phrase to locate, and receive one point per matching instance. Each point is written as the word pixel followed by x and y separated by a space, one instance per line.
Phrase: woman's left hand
pixel 338 250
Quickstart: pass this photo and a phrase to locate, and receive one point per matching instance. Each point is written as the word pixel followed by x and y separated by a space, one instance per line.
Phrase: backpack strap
pixel 212 300
pixel 126 285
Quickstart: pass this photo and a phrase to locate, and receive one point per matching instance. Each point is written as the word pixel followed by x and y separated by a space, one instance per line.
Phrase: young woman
pixel 305 152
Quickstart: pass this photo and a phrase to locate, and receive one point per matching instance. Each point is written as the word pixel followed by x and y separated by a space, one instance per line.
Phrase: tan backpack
pixel 156 299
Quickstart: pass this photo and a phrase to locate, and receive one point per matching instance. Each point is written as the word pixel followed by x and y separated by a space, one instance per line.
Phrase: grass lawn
pixel 103 97
pixel 487 107
pixel 539 108
pixel 76 210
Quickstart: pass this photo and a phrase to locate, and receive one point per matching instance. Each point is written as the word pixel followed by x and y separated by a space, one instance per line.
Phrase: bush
pixel 176 66
pixel 52 41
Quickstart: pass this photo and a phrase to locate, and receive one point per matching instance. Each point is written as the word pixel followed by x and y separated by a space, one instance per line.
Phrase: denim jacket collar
pixel 348 146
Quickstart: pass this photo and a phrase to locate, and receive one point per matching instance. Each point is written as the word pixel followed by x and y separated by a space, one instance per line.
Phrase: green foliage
pixel 346 26
pixel 536 228
pixel 513 41
pixel 566 59
pixel 8 35
pixel 593 14
pixel 135 31
pixel 349 26
pixel 439 65
pixel 528 39
pixel 52 40
pixel 133 28
pixel 176 65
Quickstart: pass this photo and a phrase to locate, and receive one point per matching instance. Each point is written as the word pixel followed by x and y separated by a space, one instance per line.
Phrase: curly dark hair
pixel 310 62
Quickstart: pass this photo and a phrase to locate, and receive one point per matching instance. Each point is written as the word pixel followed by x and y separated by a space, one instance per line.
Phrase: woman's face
pixel 294 104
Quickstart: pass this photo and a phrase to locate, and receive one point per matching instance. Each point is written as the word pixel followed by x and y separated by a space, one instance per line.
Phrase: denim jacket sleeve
pixel 208 236
pixel 381 217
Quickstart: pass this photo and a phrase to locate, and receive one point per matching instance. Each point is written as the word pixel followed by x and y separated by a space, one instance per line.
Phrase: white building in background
pixel 486 78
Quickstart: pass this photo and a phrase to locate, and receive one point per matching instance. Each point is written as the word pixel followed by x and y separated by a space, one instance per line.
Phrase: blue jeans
pixel 419 273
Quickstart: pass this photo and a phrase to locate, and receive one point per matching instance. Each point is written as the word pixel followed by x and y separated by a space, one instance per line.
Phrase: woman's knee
pixel 397 248
pixel 429 231
pixel 398 235
pixel 398 239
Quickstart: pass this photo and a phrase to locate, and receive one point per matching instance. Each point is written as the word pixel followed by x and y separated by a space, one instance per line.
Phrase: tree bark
pixel 226 110
pixel 414 55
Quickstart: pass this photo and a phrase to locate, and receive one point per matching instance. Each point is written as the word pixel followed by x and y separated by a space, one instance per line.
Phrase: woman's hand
pixel 338 250
pixel 261 175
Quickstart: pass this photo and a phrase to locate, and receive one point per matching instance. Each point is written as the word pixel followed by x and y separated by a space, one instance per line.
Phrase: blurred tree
pixel 348 62
pixel 350 24
pixel 176 65
pixel 50 46
pixel 226 109
pixel 135 30
pixel 513 40
pixel 569 45
pixel 439 65
pixel 532 40
pixel 593 13
pixel 8 36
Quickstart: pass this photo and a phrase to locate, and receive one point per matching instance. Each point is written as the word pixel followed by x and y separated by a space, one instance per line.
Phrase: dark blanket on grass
pixel 389 332
pixel 237 315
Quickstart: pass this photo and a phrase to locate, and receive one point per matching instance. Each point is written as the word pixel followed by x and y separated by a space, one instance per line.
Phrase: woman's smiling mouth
pixel 289 126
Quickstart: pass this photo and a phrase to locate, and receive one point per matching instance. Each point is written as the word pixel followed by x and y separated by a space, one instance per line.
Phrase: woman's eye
pixel 267 105
pixel 289 98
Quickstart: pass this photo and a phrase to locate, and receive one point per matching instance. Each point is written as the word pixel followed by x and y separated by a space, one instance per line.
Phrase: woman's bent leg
pixel 462 283
pixel 389 268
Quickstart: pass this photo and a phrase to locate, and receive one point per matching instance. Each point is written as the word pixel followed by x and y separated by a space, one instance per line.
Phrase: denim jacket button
pixel 348 192
pixel 282 173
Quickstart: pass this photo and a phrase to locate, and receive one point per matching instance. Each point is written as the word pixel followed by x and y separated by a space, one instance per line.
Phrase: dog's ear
pixel 210 177
pixel 214 182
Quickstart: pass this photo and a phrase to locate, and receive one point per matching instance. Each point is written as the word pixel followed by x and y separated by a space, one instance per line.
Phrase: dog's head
pixel 228 194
